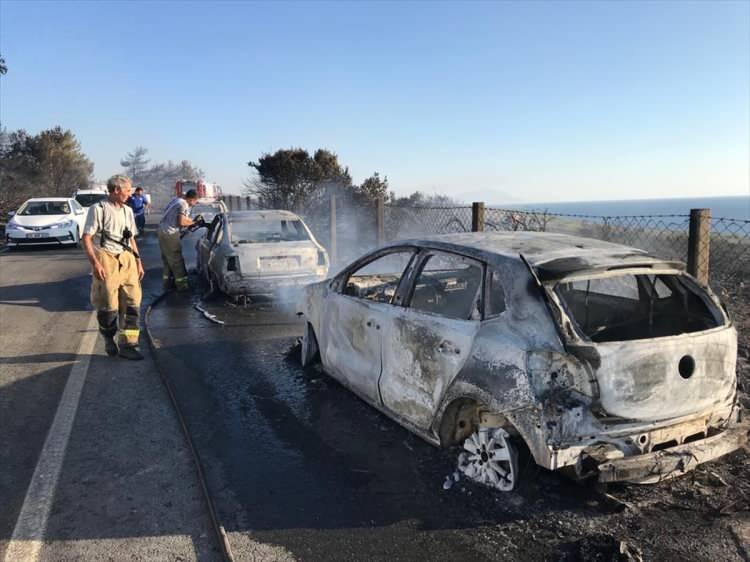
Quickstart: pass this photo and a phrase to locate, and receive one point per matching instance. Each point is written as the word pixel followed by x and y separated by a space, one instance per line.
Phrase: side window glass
pixel 378 280
pixel 496 304
pixel 449 286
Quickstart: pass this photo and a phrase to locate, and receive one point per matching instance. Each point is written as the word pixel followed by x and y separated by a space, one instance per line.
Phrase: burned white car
pixel 599 358
pixel 259 253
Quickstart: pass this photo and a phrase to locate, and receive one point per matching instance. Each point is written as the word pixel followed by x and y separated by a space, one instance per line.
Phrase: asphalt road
pixel 298 467
pixel 127 487
pixel 299 464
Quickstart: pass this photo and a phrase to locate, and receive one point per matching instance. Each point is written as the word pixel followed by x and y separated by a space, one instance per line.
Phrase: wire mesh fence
pixel 663 235
pixel 729 251
pixel 724 245
pixel 727 247
pixel 408 222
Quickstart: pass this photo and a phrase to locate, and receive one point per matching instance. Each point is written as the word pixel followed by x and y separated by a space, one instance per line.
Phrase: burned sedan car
pixel 260 253
pixel 599 358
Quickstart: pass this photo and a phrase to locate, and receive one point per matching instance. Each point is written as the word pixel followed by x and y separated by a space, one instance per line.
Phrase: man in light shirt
pixel 176 217
pixel 116 268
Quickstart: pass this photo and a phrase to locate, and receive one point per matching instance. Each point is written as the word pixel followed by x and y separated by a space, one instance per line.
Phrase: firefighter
pixel 176 217
pixel 116 268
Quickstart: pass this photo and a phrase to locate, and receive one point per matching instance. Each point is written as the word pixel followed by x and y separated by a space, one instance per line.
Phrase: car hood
pixel 39 220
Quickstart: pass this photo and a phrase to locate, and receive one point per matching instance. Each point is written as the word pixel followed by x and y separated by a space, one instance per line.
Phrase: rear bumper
pixel 268 285
pixel 674 461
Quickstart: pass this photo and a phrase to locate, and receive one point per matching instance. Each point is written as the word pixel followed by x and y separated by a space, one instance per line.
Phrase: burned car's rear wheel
pixel 490 458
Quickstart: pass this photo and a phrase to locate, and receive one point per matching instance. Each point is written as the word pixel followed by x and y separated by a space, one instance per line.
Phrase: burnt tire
pixel 309 350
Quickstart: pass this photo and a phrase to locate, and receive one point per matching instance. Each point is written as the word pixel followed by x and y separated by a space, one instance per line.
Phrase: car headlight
pixel 64 224
pixel 12 226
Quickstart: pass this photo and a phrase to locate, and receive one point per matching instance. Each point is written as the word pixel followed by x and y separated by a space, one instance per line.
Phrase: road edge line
pixel 28 535
pixel 219 531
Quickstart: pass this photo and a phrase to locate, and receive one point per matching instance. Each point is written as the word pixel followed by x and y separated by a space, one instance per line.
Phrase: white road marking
pixel 28 536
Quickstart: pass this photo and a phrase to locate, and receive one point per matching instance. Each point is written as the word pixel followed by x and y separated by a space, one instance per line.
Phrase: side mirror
pixel 80 212
pixel 11 213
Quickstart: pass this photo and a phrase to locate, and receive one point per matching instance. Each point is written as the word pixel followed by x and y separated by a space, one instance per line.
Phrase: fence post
pixel 699 244
pixel 477 217
pixel 332 249
pixel 380 219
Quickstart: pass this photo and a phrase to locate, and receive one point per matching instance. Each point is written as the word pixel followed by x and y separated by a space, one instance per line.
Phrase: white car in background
pixel 46 220
pixel 88 197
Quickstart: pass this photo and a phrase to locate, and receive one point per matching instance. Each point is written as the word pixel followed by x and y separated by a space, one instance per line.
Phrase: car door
pixel 428 341
pixel 352 319
pixel 211 244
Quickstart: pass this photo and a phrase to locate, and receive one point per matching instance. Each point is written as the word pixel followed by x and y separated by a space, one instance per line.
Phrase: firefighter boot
pixel 110 346
pixel 108 328
pixel 130 352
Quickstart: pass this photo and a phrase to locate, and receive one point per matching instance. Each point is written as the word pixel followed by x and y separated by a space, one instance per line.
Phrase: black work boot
pixel 131 352
pixel 109 345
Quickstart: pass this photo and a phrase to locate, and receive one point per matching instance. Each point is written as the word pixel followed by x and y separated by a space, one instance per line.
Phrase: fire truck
pixel 209 191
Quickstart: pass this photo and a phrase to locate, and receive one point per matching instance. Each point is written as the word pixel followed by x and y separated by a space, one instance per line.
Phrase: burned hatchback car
pixel 599 358
pixel 260 253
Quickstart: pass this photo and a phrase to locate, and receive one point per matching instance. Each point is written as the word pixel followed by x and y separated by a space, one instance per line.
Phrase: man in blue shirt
pixel 138 203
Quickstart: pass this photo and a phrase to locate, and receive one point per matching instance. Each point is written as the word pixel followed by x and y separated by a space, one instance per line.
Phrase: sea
pixel 737 208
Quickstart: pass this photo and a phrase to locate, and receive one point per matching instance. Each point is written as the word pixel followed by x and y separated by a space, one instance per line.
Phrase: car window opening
pixel 630 307
pixel 263 231
pixel 378 280
pixel 449 286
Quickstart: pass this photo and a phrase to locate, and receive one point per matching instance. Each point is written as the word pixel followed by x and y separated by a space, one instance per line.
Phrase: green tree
pixel 292 179
pixel 64 167
pixel 420 199
pixel 50 163
pixel 373 187
pixel 135 164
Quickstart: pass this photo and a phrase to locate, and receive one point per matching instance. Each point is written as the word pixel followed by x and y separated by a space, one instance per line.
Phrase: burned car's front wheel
pixel 490 458
pixel 309 352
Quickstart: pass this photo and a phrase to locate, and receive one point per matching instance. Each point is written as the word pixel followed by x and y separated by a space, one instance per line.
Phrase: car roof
pixel 551 255
pixel 269 215
pixel 40 199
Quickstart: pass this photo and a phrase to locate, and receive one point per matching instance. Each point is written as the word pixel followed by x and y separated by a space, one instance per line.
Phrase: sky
pixel 500 102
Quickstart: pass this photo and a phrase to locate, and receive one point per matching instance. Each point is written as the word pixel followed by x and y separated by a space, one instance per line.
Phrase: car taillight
pixel 321 258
